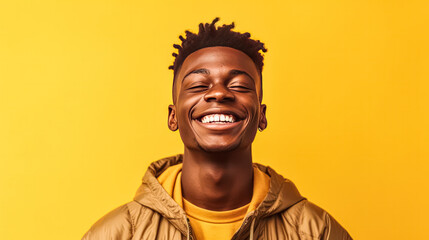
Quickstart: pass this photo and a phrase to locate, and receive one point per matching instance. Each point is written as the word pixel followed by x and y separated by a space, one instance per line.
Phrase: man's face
pixel 217 105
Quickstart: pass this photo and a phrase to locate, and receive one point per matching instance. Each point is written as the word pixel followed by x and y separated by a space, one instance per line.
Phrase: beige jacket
pixel 284 214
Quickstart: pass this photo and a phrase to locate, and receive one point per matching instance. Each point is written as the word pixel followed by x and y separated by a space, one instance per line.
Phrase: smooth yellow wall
pixel 84 90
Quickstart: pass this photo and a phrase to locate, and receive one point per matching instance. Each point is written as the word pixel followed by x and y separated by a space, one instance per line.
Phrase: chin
pixel 218 148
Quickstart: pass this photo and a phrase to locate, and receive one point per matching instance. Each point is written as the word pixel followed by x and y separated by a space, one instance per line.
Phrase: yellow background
pixel 84 90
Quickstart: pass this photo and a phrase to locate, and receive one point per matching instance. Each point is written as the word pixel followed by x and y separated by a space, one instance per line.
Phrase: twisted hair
pixel 210 36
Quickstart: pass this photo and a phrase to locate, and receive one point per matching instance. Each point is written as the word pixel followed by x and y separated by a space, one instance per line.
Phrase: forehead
pixel 218 57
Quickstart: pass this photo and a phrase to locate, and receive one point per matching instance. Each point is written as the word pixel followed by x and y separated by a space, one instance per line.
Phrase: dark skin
pixel 222 83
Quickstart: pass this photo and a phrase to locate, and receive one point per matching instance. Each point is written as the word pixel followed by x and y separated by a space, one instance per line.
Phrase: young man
pixel 214 191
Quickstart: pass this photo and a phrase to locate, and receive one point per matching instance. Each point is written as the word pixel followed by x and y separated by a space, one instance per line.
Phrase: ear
pixel 172 119
pixel 263 118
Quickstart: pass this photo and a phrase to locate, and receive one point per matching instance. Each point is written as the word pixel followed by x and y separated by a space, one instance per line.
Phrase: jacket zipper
pixel 190 232
pixel 243 226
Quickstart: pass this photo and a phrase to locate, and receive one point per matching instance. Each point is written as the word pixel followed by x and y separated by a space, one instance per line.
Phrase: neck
pixel 217 181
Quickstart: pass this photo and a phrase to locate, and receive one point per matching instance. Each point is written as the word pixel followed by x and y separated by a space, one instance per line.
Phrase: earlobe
pixel 172 120
pixel 263 118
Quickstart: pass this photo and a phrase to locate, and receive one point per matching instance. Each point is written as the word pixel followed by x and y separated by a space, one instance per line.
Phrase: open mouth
pixel 218 118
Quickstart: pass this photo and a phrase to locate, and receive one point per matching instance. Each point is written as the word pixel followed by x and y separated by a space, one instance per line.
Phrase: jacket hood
pixel 281 195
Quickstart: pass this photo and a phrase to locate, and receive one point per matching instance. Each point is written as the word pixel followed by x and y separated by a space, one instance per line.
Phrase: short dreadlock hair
pixel 211 36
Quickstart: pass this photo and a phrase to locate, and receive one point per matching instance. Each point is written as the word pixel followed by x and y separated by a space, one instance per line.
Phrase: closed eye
pixel 197 87
pixel 240 88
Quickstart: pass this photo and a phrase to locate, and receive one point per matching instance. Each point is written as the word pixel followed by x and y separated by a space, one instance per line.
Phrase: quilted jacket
pixel 153 214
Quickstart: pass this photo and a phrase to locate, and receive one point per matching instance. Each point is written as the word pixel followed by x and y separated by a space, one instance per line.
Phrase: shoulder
pixel 314 222
pixel 117 224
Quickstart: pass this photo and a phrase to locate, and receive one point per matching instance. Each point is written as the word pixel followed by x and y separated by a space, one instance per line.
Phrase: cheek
pixel 254 114
pixel 185 105
pixel 252 105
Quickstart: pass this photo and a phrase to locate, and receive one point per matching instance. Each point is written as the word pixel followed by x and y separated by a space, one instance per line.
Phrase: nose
pixel 219 93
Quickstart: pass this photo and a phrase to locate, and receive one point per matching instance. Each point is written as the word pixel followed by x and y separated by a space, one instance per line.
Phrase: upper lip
pixel 237 115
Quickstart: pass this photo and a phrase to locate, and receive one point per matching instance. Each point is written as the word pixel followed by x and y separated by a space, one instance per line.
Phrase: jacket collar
pixel 281 195
pixel 152 195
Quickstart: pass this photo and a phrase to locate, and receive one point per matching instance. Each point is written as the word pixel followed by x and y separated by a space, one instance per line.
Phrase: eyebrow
pixel 205 71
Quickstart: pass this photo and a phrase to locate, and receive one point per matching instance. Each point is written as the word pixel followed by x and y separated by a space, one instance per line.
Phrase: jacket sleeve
pixel 317 223
pixel 116 225
pixel 334 231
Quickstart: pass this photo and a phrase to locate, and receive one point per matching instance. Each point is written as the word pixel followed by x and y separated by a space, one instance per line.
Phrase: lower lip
pixel 218 126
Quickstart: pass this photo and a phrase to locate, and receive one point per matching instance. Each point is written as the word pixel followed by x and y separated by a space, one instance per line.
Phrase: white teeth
pixel 218 118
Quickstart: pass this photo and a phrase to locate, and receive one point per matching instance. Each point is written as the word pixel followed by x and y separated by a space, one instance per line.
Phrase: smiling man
pixel 214 190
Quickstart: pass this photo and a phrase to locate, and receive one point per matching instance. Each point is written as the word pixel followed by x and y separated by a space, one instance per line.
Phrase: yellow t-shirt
pixel 213 225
